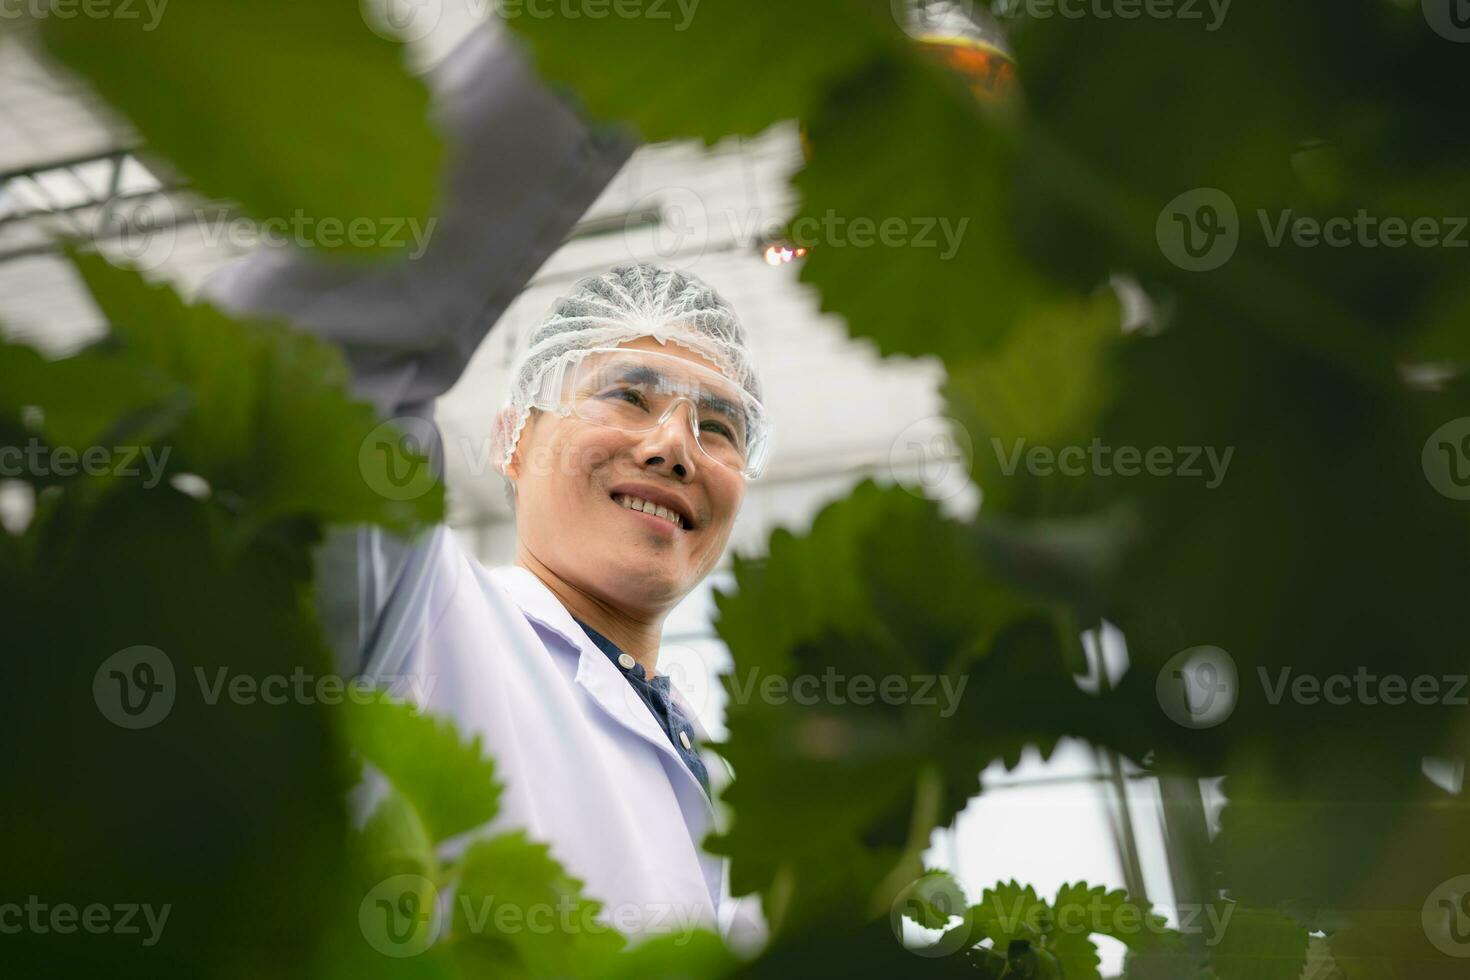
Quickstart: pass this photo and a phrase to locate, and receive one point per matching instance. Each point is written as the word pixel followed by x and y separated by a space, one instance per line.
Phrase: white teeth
pixel 648 507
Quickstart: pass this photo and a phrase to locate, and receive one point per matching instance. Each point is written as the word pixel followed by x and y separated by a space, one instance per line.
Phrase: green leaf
pixel 1026 961
pixel 518 914
pixel 1445 335
pixel 1080 912
pixel 1096 910
pixel 1008 913
pixel 85 396
pixel 448 780
pixel 1386 947
pixel 1165 963
pixel 1076 953
pixel 1319 965
pixel 831 767
pixel 267 415
pixel 394 840
pixel 293 109
pixel 802 587
pixel 230 805
pixel 1042 391
pixel 707 69
pixel 1260 944
pixel 931 901
pixel 897 145
pixel 1093 99
pixel 1113 914
pixel 681 956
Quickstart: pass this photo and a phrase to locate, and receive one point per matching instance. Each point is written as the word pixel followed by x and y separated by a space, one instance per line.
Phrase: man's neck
pixel 639 638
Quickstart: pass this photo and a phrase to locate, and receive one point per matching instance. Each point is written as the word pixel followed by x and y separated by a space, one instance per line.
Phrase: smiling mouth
pixel 630 502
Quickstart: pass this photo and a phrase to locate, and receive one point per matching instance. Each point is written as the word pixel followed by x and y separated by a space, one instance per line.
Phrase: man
pixel 552 660
pixel 633 425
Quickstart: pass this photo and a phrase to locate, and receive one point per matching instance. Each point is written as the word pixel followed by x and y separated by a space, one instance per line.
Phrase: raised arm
pixel 522 167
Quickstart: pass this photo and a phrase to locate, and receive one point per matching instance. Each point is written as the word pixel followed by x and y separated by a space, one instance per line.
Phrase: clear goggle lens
pixel 636 390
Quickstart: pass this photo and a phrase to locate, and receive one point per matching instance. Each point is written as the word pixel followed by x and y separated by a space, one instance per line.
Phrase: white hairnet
pixel 621 305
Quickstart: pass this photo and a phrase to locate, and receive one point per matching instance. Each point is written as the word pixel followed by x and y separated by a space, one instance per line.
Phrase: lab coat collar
pixel 538 602
pixel 595 672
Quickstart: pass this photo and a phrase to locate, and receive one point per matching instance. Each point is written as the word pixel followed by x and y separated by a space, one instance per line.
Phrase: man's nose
pixel 672 443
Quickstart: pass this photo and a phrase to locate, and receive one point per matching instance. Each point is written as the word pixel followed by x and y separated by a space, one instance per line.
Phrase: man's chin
pixel 644 587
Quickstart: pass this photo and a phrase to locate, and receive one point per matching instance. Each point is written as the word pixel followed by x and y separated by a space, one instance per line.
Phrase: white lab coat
pixel 585 766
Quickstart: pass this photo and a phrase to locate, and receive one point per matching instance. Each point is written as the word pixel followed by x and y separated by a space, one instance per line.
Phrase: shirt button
pixel 626 661
pixel 684 739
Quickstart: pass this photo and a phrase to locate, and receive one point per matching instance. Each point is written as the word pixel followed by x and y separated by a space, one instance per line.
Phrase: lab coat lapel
pixel 595 673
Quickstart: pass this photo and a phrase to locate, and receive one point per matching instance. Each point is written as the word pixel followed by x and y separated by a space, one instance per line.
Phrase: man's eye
pixel 720 428
pixel 630 395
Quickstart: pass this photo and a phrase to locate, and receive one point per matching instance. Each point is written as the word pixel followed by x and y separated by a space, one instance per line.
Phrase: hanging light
pixel 781 252
pixel 966 40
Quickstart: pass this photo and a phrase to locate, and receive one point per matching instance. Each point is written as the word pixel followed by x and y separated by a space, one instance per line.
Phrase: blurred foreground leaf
pixel 297 110
pixel 863 706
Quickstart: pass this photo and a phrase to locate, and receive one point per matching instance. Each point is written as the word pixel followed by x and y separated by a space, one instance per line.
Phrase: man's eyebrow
pixel 722 405
pixel 633 373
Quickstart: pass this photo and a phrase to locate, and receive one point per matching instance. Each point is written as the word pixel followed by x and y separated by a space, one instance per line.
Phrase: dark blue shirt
pixel 655 694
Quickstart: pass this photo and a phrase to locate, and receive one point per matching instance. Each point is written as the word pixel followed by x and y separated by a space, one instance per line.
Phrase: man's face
pixel 567 472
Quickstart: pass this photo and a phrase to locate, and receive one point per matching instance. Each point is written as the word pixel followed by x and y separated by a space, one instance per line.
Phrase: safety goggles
pixel 636 390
